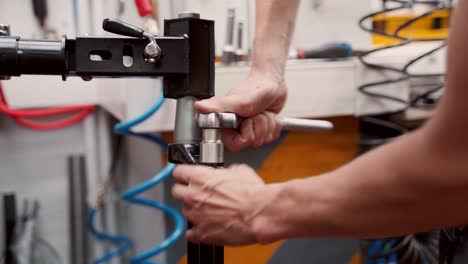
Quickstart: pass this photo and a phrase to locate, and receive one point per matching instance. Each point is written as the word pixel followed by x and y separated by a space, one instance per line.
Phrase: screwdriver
pixel 337 50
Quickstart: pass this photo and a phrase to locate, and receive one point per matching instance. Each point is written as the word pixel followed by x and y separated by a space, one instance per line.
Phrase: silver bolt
pixel 4 30
pixel 218 120
pixel 152 52
pixel 211 147
pixel 187 14
pixel 87 78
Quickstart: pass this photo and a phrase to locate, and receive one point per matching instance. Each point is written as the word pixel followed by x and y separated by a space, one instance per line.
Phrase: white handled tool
pixel 230 120
pixel 300 124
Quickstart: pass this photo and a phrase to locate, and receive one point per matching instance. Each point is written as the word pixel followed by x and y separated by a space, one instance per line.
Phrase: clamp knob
pixel 211 147
pixel 218 120
pixel 152 50
pixel 4 30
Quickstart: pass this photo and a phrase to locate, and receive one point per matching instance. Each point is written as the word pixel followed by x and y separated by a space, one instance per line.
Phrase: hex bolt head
pixel 4 30
pixel 152 52
pixel 187 14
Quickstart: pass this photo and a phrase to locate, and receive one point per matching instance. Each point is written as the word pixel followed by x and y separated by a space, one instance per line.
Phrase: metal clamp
pixel 152 50
pixel 231 120
pixel 211 146
pixel 218 120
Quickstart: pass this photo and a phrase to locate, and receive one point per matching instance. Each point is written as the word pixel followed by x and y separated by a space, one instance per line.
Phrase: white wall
pixel 333 20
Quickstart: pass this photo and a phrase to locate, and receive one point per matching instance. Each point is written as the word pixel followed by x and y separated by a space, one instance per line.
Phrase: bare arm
pixel 263 94
pixel 417 183
pixel 275 20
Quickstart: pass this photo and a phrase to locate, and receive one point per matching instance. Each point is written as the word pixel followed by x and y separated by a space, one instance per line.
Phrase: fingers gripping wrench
pixel 211 147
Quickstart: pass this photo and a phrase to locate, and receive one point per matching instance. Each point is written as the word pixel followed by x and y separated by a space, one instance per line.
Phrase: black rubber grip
pixel 121 28
pixel 40 8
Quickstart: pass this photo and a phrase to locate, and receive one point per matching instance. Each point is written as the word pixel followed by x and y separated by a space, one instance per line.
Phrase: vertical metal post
pixel 197 84
pixel 211 154
pixel 78 210
pixel 9 209
pixel 186 132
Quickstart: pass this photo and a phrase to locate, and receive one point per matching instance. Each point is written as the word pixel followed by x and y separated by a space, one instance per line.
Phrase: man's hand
pixel 222 204
pixel 258 98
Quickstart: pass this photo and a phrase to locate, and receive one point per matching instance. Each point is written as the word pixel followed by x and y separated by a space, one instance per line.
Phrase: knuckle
pixel 233 147
pixel 246 169
pixel 247 131
pixel 203 238
pixel 192 216
pixel 190 199
pixel 243 166
pixel 200 230
pixel 246 107
pixel 174 191
pixel 237 166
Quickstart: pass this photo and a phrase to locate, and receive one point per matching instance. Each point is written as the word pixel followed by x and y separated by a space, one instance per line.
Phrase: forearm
pixel 275 20
pixel 403 187
pixel 417 183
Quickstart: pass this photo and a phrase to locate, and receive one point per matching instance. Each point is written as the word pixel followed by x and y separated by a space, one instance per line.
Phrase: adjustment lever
pixel 121 28
pixel 152 50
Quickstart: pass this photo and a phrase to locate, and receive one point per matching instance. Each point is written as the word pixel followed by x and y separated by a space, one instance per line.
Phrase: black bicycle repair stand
pixel 184 57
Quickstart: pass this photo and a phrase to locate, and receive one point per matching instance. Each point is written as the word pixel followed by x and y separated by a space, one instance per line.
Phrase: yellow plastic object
pixel 434 26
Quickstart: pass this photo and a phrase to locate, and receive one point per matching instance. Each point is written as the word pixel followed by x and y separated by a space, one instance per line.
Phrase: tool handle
pixel 231 120
pixel 121 28
pixel 300 124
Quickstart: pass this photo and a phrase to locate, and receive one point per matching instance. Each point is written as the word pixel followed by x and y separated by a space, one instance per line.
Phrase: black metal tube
pixel 78 210
pixel 43 57
pixel 9 214
pixel 211 254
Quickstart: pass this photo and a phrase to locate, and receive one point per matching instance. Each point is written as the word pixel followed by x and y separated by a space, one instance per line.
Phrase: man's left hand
pixel 222 204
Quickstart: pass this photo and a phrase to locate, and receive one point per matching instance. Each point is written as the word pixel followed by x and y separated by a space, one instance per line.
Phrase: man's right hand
pixel 258 99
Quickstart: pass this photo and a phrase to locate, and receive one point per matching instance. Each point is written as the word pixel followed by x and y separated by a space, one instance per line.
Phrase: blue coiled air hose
pixel 124 242
pixel 131 195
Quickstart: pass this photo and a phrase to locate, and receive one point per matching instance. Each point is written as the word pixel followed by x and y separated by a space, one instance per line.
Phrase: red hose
pixel 54 125
pixel 20 116
pixel 145 8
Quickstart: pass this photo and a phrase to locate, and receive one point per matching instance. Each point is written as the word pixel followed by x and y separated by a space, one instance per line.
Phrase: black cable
pixel 415 248
pixel 364 89
pixel 415 100
pixel 404 41
pixel 384 123
pixel 413 61
pixel 414 251
pixel 402 243
pixel 382 33
pixel 400 130
pixel 416 18
pixel 404 72
pixel 414 2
